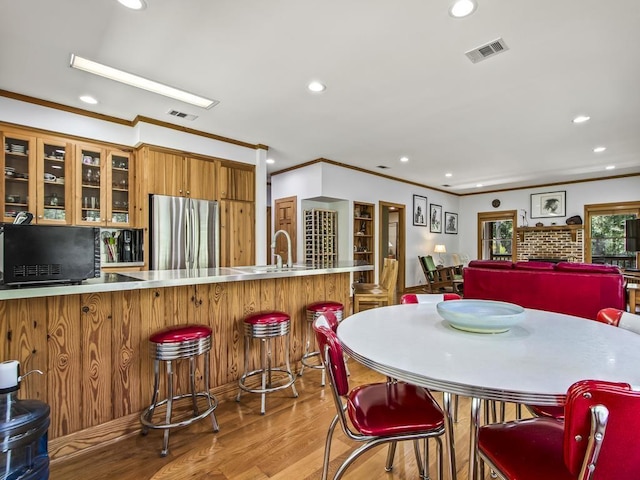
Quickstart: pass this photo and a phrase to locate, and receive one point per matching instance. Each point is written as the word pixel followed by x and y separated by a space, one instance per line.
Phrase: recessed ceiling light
pixel 599 149
pixel 610 167
pixel 316 87
pixel 581 119
pixel 134 4
pixel 479 185
pixel 88 99
pixel 448 174
pixel 404 159
pixel 462 8
pixel 139 82
pixel 270 161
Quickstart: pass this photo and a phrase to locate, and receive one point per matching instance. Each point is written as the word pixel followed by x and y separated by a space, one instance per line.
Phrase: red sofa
pixel 579 289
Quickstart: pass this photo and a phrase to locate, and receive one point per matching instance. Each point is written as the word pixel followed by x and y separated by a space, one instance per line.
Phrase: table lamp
pixel 440 249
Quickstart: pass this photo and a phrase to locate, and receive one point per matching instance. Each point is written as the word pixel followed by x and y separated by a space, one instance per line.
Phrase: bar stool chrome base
pixel 264 326
pixel 314 310
pixel 178 343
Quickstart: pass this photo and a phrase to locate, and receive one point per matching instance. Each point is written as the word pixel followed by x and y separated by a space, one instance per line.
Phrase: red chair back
pixel 332 356
pixel 619 456
pixel 428 297
pixel 327 319
pixel 619 318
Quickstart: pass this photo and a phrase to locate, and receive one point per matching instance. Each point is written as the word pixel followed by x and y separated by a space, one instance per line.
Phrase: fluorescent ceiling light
pixel 581 118
pixel 316 87
pixel 599 149
pixel 134 4
pixel 462 8
pixel 89 99
pixel 139 82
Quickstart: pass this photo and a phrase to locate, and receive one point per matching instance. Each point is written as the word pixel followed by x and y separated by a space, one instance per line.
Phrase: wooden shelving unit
pixel 363 239
pixel 321 237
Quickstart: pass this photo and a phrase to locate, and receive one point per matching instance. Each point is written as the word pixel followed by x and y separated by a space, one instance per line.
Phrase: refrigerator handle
pixel 195 244
pixel 187 236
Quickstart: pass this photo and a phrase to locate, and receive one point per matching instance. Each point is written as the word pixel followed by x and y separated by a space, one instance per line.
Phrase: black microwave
pixel 35 254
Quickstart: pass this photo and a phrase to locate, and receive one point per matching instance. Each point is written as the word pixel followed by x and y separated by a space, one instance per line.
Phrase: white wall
pixel 328 180
pixel 577 196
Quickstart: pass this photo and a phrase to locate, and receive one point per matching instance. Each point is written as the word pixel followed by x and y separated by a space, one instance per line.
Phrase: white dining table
pixel 534 362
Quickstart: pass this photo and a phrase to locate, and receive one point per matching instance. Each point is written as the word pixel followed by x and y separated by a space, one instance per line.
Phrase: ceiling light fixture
pixel 316 87
pixel 462 8
pixel 139 82
pixel 134 4
pixel 599 149
pixel 479 185
pixel 610 167
pixel 448 174
pixel 581 118
pixel 88 99
pixel 404 159
pixel 270 161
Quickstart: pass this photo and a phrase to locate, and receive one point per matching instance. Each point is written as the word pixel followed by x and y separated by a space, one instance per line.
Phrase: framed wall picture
pixel 450 222
pixel 420 211
pixel 549 204
pixel 435 218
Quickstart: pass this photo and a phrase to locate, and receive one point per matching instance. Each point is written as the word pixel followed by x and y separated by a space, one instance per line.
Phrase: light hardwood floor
pixel 286 443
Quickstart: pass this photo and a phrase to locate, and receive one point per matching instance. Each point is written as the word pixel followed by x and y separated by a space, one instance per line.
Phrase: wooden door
pixel 201 179
pixel 286 219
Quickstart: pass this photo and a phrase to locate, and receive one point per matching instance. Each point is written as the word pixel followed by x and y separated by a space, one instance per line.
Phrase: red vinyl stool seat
pixel 314 310
pixel 177 343
pixel 265 326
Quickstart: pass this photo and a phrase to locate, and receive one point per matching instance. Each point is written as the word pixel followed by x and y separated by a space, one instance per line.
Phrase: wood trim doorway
pixel 386 209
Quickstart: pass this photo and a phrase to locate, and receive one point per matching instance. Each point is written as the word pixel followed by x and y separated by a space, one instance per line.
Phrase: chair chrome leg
pixel 214 420
pixel 287 345
pixel 327 448
pixel 265 354
pixel 154 397
pixel 391 453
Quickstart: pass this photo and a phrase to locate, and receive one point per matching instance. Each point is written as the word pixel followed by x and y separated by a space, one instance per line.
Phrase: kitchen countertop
pixel 109 282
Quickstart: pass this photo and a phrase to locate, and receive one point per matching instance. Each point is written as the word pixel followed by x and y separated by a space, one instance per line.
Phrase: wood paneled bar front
pixel 90 340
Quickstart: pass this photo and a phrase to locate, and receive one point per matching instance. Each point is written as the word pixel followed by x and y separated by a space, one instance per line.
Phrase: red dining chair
pixel 428 297
pixel 433 298
pixel 597 441
pixel 619 318
pixel 610 316
pixel 377 413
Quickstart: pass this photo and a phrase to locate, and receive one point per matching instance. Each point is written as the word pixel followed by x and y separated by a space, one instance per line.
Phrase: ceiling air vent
pixel 382 167
pixel 186 116
pixel 487 50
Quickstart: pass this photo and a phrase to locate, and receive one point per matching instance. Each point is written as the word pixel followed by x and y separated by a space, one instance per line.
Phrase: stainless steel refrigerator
pixel 185 233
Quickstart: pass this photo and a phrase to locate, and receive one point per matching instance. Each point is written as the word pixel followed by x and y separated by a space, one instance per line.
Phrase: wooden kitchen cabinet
pixel 54 181
pixel 237 233
pixel 18 162
pixel 237 183
pixel 170 173
pixel 103 179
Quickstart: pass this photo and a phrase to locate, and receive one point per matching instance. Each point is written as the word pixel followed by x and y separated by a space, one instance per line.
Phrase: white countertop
pixel 109 282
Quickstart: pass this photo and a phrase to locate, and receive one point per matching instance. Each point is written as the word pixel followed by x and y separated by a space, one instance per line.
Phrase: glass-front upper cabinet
pixel 119 199
pixel 18 163
pixel 90 162
pixel 54 184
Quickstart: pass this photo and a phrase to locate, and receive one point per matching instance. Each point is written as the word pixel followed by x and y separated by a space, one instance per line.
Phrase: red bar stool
pixel 264 326
pixel 176 343
pixel 314 310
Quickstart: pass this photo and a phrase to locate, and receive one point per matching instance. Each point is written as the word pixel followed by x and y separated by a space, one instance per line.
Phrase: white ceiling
pixel 398 82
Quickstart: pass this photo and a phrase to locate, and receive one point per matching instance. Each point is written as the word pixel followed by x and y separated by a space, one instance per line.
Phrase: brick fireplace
pixel 552 243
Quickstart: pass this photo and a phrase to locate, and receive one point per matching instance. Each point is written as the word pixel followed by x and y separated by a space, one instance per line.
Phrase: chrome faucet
pixel 273 249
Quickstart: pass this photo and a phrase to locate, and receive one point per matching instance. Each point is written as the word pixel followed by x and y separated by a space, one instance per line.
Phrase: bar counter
pixel 91 340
